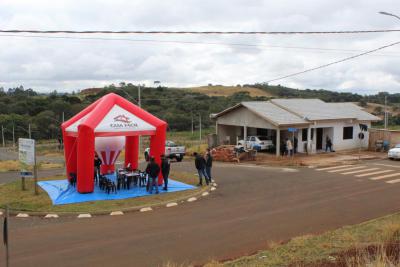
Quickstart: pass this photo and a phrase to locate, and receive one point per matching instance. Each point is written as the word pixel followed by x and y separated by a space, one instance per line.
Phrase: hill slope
pixel 221 90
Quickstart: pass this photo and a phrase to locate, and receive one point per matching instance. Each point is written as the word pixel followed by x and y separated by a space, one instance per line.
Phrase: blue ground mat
pixel 61 192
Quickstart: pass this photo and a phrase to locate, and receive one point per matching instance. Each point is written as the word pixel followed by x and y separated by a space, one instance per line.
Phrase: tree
pixel 363 103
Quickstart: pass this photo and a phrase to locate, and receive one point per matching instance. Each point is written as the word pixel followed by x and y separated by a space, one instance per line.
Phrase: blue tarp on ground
pixel 61 192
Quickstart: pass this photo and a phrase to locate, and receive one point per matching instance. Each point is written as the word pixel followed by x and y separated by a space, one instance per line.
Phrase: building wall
pixel 334 129
pixel 230 125
pixel 392 136
pixel 227 134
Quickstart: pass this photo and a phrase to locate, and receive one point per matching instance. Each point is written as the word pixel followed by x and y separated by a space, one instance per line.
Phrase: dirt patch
pixel 317 160
pixel 217 90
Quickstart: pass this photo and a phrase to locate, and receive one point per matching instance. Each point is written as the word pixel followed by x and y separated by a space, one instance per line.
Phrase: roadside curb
pixel 146 209
pixel 192 199
pixel 82 214
pixel 51 216
pixel 116 213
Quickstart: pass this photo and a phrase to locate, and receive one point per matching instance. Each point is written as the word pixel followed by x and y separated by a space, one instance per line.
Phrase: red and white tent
pixel 106 126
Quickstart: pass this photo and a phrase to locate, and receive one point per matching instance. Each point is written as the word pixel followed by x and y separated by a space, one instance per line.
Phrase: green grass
pixel 14 165
pixel 17 199
pixel 188 136
pixel 309 249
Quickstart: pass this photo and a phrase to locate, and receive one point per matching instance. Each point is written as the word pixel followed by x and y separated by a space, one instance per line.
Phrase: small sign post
pixel 5 235
pixel 27 159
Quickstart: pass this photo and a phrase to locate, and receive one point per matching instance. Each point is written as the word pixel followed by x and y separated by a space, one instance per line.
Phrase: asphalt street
pixel 251 207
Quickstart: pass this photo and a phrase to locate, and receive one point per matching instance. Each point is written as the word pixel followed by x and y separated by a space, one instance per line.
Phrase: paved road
pixel 252 206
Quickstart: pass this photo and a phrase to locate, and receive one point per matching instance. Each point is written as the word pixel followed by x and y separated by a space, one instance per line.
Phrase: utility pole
pixel 63 118
pixel 200 127
pixel 2 135
pixel 191 113
pixel 139 98
pixel 386 115
pixel 13 134
pixel 140 105
pixel 29 131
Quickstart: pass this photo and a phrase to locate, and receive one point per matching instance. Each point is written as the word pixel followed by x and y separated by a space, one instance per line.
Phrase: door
pixel 319 138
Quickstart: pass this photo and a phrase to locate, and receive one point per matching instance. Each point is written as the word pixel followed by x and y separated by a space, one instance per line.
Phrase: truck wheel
pixel 179 159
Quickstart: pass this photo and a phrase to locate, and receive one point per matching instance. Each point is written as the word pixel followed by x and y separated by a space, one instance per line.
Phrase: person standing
pixel 153 170
pixel 209 161
pixel 165 168
pixel 97 164
pixel 200 164
pixel 289 147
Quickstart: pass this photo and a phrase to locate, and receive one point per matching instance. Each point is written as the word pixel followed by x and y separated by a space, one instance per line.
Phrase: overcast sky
pixel 73 64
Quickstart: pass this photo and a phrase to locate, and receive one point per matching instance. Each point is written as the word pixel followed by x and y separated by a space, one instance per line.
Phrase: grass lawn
pixel 314 249
pixel 17 199
pixel 13 165
pixel 390 127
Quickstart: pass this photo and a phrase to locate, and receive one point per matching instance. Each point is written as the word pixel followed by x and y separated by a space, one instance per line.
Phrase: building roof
pixel 357 111
pixel 273 113
pixel 303 111
pixel 312 109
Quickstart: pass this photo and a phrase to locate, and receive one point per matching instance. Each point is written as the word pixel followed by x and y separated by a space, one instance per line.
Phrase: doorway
pixel 319 138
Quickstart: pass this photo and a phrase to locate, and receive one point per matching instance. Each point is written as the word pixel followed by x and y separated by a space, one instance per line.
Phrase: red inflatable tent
pixel 105 127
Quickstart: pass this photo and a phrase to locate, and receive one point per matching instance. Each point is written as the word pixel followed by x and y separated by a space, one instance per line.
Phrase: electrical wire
pixel 241 45
pixel 332 63
pixel 198 32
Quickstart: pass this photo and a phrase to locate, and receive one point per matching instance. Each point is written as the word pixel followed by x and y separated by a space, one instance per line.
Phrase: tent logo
pixel 122 121
pixel 122 118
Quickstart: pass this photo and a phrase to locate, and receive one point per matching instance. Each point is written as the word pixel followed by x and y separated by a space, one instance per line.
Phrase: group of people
pixel 153 170
pixel 288 148
pixel 203 165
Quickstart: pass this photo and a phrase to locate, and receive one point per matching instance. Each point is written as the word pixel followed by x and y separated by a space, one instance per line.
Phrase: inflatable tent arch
pixel 105 126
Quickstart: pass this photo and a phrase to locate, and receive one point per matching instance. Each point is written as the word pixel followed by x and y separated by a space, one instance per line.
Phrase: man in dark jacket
pixel 200 164
pixel 165 168
pixel 97 164
pixel 209 160
pixel 153 170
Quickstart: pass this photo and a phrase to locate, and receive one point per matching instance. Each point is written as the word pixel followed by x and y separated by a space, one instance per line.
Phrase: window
pixel 304 134
pixel 253 139
pixel 348 132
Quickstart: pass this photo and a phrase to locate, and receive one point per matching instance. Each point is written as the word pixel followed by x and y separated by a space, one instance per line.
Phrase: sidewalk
pixel 320 159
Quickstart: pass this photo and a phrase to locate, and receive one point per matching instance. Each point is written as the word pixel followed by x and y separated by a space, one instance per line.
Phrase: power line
pixel 198 32
pixel 332 63
pixel 254 46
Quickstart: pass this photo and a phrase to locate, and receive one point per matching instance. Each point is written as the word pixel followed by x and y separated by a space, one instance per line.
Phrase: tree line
pixel 23 109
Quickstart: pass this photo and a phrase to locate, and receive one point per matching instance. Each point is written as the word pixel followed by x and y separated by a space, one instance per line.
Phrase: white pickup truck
pixel 172 151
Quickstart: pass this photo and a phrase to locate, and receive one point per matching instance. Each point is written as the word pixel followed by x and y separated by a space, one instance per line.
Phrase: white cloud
pixel 65 64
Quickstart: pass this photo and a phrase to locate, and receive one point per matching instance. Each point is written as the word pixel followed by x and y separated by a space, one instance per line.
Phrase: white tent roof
pixel 117 120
